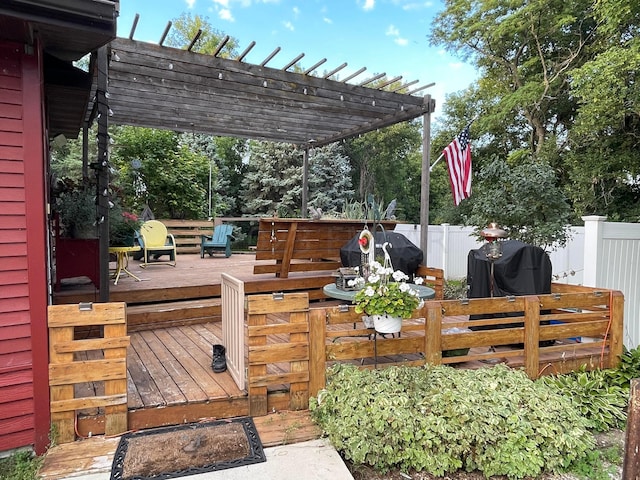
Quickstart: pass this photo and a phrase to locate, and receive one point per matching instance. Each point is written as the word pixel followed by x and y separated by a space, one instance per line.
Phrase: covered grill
pixel 405 256
pixel 522 269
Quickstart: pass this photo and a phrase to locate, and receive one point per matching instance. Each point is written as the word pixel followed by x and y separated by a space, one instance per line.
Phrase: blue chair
pixel 220 240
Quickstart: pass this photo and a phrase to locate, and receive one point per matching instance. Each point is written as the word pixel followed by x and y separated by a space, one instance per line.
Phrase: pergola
pixel 151 85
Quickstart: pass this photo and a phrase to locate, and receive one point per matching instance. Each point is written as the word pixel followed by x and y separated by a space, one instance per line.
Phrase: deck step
pixel 165 314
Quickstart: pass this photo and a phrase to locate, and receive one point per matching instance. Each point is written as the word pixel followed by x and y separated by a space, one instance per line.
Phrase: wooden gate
pixel 232 292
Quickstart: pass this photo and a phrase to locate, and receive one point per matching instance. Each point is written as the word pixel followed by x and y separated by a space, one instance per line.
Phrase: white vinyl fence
pixel 600 254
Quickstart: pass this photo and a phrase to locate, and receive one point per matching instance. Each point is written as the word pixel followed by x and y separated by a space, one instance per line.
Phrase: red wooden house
pixel 42 96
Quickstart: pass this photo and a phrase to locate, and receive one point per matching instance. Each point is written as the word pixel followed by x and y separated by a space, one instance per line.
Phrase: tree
pixel 230 153
pixel 605 164
pixel 273 182
pixel 185 29
pixel 523 199
pixel 525 52
pixel 154 169
pixel 329 178
pixel 387 164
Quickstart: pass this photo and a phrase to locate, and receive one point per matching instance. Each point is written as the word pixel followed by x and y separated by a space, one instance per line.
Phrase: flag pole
pixel 436 162
pixel 442 154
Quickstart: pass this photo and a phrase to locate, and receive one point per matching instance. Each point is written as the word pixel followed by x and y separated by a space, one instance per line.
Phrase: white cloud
pixel 288 26
pixel 296 11
pixel 190 4
pixel 327 20
pixel 225 14
pixel 369 4
pixel 401 41
pixel 456 65
pixel 392 31
pixel 222 3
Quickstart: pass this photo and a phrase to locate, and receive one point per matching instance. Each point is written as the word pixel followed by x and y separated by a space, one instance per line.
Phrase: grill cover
pixel 522 270
pixel 405 256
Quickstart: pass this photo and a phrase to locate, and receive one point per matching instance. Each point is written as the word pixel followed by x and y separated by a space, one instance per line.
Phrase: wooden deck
pixel 173 318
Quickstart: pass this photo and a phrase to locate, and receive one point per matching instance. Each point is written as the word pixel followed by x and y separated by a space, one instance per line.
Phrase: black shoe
pixel 219 364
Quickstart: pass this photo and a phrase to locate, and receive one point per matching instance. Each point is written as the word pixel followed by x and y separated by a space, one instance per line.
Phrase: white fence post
pixel 445 248
pixel 593 226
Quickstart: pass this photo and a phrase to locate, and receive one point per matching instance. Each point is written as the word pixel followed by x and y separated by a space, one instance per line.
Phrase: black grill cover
pixel 405 256
pixel 522 270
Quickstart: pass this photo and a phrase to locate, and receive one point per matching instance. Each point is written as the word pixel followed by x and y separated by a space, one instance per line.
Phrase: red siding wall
pixel 24 415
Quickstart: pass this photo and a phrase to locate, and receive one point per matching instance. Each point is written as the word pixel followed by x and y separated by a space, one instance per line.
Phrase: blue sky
pixel 382 35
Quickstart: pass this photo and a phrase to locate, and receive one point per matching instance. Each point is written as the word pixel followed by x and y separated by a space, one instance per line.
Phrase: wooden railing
pixel 533 332
pixel 75 362
pixel 187 232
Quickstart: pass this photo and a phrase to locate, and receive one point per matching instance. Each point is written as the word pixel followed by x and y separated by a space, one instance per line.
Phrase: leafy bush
pixel 455 289
pixel 628 369
pixel 602 404
pixel 22 465
pixel 439 420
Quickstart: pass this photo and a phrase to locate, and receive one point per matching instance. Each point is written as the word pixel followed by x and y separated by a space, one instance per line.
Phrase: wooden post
pixel 317 350
pixel 532 336
pixel 433 333
pixel 299 391
pixel 257 394
pixel 102 170
pixel 616 329
pixel 631 465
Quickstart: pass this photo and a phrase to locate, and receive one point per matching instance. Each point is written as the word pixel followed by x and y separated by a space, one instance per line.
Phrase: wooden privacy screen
pixel 303 245
pixel 69 365
pixel 278 331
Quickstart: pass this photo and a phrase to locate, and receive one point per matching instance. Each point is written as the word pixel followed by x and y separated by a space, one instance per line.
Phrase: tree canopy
pixel 558 87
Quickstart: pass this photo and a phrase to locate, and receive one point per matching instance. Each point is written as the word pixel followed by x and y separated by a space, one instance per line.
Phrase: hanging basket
pixel 387 323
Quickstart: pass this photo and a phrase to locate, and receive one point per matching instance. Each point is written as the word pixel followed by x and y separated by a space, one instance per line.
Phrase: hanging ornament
pixel 365 241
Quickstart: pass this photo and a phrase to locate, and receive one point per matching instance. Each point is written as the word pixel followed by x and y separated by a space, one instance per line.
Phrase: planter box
pixel 77 257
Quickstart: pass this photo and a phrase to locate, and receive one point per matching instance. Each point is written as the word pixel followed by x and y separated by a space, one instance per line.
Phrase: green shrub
pixel 602 404
pixel 439 420
pixel 628 369
pixel 22 465
pixel 455 289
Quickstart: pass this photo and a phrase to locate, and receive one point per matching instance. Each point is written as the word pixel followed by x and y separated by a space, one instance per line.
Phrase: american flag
pixel 458 156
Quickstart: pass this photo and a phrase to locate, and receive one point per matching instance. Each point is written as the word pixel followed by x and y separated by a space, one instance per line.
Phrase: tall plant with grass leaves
pixel 600 403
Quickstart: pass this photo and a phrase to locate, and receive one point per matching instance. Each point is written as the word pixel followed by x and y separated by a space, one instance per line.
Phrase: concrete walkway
pixel 315 459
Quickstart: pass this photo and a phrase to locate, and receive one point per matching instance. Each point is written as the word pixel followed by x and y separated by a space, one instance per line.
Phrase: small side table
pixel 122 261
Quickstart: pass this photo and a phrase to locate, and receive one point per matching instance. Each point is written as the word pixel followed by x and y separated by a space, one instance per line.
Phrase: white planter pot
pixel 387 324
pixel 368 321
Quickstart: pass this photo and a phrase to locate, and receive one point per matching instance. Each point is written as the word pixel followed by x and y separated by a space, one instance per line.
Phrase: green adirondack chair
pixel 220 240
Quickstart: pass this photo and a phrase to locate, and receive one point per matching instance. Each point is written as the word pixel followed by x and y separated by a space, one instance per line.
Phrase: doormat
pixel 171 452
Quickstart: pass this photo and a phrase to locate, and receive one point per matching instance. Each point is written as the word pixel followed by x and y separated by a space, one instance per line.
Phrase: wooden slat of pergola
pixel 163 87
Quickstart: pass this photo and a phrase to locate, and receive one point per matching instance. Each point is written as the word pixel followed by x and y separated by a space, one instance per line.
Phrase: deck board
pixel 147 390
pixel 191 391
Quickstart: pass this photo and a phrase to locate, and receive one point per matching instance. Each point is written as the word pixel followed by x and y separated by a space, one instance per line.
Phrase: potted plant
pixel 76 210
pixel 122 227
pixel 386 296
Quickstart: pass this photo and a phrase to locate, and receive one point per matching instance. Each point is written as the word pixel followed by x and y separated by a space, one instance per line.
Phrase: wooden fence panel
pixel 66 370
pixel 278 333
